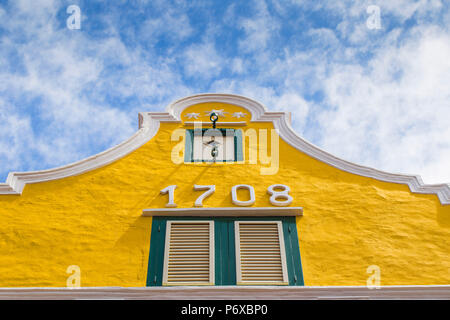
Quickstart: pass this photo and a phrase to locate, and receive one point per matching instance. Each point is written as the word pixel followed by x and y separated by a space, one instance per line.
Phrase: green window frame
pixel 224 248
pixel 189 144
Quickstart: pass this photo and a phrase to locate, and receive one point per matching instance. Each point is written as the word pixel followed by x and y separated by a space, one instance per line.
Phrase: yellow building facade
pixel 93 223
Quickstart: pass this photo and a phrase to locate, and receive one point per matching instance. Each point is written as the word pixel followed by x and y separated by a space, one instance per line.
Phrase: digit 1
pixel 171 191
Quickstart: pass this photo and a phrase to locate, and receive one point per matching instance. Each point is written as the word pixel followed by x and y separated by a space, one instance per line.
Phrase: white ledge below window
pixel 225 212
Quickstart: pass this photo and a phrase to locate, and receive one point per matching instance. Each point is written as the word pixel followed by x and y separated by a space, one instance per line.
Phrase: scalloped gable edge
pixel 149 123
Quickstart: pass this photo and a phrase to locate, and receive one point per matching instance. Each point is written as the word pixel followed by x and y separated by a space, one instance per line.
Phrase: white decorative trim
pixel 218 112
pixel 255 108
pixel 225 212
pixel 218 124
pixel 149 125
pixel 230 293
pixel 239 115
pixel 194 115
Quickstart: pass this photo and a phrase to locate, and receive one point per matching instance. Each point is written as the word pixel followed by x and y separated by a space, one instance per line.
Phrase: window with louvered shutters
pixel 189 253
pixel 260 253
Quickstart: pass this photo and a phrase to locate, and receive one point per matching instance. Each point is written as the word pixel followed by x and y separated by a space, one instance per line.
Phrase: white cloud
pixel 237 65
pixel 259 28
pixel 202 61
pixel 65 103
pixel 294 103
pixel 16 133
pixel 173 24
pixel 394 114
pixel 230 16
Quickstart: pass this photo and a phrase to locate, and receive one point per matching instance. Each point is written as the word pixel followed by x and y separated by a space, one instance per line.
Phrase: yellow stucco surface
pixel 94 220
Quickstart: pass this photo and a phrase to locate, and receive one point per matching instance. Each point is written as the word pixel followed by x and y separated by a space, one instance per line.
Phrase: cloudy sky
pixel 375 95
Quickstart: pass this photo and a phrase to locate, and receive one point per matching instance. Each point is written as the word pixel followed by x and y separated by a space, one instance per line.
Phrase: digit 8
pixel 284 194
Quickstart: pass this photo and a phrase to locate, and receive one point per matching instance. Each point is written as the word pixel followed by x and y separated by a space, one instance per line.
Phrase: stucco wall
pixel 94 220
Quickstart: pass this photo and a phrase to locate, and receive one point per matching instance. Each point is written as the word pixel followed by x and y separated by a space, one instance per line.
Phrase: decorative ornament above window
pixel 193 115
pixel 213 143
pixel 217 112
pixel 239 115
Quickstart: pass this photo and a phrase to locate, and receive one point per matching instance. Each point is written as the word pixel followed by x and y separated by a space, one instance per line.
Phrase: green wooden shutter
pixel 224 248
pixel 260 253
pixel 189 253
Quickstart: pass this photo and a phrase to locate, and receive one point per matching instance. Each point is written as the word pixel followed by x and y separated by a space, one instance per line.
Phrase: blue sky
pixel 377 97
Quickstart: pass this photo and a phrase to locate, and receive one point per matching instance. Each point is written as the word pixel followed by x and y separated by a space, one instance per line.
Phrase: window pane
pixel 204 140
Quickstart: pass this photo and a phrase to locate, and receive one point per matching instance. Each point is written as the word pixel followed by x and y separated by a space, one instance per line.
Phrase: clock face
pixel 203 145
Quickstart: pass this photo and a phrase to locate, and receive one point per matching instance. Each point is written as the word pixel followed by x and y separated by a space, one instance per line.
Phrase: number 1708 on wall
pixel 279 195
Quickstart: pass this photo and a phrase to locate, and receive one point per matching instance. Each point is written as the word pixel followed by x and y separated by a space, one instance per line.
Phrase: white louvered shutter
pixel 189 253
pixel 260 253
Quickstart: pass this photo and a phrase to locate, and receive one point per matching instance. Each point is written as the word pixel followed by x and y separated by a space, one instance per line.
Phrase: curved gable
pixel 149 124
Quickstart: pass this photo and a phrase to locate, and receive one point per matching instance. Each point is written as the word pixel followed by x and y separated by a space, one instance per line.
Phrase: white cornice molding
pixel 149 123
pixel 256 109
pixel 231 293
